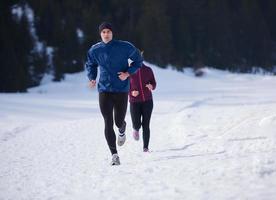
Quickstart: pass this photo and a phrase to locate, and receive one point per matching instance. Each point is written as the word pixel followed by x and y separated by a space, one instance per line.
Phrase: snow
pixel 211 138
pixel 80 35
pixel 39 46
pixel 17 11
pixel 50 54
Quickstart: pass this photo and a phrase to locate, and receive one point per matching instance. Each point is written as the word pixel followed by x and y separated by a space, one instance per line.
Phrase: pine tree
pixel 154 30
pixel 16 43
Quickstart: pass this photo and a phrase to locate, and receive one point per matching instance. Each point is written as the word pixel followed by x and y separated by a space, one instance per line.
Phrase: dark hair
pixel 105 25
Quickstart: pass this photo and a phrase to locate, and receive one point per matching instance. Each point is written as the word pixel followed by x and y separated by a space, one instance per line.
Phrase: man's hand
pixel 135 93
pixel 123 75
pixel 92 83
pixel 149 86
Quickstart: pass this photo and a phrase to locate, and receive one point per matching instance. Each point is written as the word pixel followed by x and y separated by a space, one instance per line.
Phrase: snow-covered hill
pixel 211 138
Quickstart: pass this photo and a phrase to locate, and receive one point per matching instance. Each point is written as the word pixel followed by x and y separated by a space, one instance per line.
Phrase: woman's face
pixel 106 35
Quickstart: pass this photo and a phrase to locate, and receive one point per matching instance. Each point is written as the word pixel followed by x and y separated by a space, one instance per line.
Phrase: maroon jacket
pixel 138 81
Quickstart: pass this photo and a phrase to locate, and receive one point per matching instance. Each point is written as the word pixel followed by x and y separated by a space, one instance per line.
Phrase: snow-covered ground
pixel 211 138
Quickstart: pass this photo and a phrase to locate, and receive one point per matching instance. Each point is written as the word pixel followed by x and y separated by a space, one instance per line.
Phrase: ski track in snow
pixel 211 138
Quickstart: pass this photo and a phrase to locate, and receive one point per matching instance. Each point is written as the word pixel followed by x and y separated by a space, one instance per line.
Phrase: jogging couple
pixel 118 80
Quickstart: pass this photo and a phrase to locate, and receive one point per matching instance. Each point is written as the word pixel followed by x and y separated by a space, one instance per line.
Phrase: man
pixel 111 56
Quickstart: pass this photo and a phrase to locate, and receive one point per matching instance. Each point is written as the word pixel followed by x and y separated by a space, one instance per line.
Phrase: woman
pixel 141 104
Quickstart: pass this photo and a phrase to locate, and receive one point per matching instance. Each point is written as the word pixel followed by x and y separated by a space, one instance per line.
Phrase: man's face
pixel 106 35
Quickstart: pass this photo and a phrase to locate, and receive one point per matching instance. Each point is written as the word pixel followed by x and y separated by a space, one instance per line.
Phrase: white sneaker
pixel 121 139
pixel 122 136
pixel 115 159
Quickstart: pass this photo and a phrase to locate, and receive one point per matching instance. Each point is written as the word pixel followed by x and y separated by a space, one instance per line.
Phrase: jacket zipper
pixel 140 80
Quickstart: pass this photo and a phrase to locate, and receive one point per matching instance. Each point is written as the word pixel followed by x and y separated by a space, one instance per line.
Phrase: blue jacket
pixel 112 58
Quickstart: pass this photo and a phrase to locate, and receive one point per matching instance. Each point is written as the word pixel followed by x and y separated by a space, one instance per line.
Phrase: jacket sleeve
pixel 136 59
pixel 152 79
pixel 91 66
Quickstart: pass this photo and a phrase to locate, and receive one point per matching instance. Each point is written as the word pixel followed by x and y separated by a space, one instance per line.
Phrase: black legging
pixel 142 110
pixel 109 102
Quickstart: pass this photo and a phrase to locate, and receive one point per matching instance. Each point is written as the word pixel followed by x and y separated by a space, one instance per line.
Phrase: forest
pixel 41 37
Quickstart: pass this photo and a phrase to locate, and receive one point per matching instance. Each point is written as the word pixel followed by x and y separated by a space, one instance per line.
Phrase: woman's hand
pixel 149 86
pixel 135 93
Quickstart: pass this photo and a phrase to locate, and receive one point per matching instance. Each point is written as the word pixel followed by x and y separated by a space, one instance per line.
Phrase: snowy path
pixel 212 138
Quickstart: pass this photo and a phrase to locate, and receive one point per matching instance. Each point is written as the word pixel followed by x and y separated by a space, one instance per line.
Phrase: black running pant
pixel 140 116
pixel 113 102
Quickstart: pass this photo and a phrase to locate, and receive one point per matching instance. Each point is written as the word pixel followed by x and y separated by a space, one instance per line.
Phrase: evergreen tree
pixel 180 28
pixel 16 44
pixel 154 30
pixel 221 49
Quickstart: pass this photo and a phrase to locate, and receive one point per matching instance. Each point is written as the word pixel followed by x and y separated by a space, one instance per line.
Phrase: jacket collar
pixel 109 43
